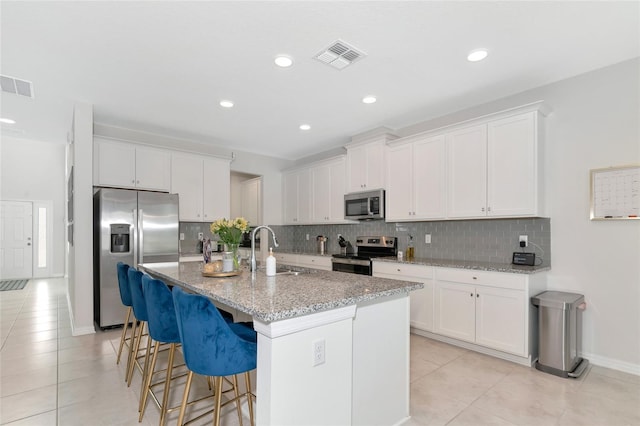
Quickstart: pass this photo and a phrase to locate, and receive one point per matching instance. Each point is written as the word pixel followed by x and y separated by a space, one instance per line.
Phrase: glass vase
pixel 233 249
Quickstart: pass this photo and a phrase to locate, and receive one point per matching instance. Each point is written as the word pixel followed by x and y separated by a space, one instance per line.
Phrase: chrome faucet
pixel 253 245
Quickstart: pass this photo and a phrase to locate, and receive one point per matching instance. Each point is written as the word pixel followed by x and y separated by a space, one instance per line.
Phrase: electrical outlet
pixel 427 238
pixel 307 237
pixel 182 236
pixel 200 236
pixel 524 239
pixel 318 352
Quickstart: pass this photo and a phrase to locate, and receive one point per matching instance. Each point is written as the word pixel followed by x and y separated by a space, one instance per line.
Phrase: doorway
pixel 16 239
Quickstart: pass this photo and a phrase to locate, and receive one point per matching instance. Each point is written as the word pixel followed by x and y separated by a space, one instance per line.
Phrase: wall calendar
pixel 615 193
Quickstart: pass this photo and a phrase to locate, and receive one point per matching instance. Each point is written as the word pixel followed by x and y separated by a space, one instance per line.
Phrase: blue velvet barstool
pixel 140 312
pixel 125 297
pixel 212 347
pixel 163 328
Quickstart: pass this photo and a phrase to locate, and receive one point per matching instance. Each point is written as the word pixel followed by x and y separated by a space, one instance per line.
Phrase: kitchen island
pixel 333 348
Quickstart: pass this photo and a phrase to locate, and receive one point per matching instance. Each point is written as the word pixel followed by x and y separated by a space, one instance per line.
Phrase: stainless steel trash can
pixel 560 333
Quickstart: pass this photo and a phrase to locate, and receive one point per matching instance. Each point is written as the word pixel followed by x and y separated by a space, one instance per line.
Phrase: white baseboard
pixel 612 363
pixel 77 331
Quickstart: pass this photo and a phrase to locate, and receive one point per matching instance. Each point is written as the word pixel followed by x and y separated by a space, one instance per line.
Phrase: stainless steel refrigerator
pixel 131 227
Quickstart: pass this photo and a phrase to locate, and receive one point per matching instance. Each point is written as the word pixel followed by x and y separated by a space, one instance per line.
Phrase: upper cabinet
pixel 203 184
pixel 366 161
pixel 494 169
pixel 327 190
pixel 296 197
pixel 126 165
pixel 251 200
pixel 415 174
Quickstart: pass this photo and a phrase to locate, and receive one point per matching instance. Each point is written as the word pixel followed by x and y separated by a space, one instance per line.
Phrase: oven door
pixel 352 266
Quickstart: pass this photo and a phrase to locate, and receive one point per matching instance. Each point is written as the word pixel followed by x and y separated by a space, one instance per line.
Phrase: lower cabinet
pixel 421 301
pixel 482 310
pixel 304 260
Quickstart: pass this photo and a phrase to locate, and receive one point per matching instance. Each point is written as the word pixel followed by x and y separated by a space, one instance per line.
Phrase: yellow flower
pixel 230 230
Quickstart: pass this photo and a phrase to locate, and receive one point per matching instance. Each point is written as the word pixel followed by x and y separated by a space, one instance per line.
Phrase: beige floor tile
pixel 40 336
pixel 34 327
pixel 452 384
pixel 113 407
pixel 429 409
pixel 472 416
pixel 420 368
pixel 90 388
pixel 18 350
pixel 44 419
pixel 21 382
pixel 27 404
pixel 26 363
pixel 586 408
pixel 86 367
pixel 431 350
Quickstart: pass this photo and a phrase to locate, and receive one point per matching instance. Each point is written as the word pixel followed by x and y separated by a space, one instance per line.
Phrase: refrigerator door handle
pixel 135 237
pixel 141 234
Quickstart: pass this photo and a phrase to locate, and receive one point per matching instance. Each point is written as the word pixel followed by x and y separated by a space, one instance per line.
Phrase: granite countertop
pixel 468 264
pixel 283 296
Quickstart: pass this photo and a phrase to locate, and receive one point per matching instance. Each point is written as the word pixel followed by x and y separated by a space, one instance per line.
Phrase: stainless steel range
pixel 367 249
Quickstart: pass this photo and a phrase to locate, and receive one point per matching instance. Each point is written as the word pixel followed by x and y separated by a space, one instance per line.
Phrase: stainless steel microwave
pixel 364 205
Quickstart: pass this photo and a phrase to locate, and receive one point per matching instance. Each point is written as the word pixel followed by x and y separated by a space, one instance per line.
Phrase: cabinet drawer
pixel 403 269
pixel 493 279
pixel 317 262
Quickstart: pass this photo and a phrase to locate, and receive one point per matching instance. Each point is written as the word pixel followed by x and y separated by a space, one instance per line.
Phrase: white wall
pixel 595 123
pixel 34 170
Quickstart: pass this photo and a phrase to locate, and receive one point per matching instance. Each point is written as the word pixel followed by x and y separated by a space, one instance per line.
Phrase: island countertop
pixel 283 296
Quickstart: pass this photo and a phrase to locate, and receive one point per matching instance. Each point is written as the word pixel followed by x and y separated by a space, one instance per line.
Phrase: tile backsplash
pixel 486 240
pixel 190 230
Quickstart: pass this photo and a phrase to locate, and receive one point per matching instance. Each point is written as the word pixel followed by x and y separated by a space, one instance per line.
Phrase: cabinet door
pixel 290 198
pixel 304 196
pixel 338 173
pixel 356 168
pixel 455 310
pixel 500 319
pixel 512 166
pixel 375 176
pixel 186 181
pixel 429 179
pixel 467 159
pixel 250 201
pixel 153 169
pixel 116 164
pixel 216 201
pixel 399 200
pixel 321 193
pixel 422 305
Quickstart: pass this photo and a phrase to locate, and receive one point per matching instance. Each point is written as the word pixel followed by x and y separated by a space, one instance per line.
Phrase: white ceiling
pixel 163 67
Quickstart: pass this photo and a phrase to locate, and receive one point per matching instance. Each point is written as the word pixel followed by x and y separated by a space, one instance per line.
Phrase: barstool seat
pixel 212 347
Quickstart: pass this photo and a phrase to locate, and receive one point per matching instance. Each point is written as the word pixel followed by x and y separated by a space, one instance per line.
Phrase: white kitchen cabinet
pixel 125 165
pixel 494 169
pixel 421 301
pixel 203 185
pixel 328 188
pixel 365 166
pixel 490 309
pixel 251 201
pixel 416 186
pixel 296 189
pixel 314 262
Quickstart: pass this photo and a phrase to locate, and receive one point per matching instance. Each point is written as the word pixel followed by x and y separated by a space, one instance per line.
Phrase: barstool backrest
pixel 209 345
pixel 163 326
pixel 139 305
pixel 123 284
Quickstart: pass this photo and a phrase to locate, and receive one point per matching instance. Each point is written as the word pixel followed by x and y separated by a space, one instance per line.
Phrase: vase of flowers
pixel 230 232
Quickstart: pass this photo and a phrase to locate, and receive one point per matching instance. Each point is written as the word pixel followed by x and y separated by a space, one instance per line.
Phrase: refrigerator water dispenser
pixel 120 235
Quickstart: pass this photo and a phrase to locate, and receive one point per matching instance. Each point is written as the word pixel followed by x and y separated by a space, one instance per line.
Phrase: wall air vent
pixel 339 55
pixel 16 86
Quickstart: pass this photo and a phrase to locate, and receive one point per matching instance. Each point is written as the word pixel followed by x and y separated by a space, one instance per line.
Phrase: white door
pixel 455 312
pixel 429 178
pixel 493 306
pixel 16 239
pixel 399 183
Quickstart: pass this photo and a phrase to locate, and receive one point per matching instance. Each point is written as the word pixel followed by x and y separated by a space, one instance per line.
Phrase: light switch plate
pixel 427 238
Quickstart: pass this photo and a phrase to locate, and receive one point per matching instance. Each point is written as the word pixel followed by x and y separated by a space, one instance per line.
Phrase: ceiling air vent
pixel 16 86
pixel 339 55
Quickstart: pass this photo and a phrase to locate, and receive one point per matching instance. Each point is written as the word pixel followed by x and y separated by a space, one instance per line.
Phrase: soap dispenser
pixel 271 263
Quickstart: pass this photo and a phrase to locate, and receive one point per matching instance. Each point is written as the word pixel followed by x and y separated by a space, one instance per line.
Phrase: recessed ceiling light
pixel 477 55
pixel 226 104
pixel 305 127
pixel 369 99
pixel 7 121
pixel 283 61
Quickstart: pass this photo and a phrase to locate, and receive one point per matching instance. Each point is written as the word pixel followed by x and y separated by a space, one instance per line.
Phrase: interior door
pixel 16 239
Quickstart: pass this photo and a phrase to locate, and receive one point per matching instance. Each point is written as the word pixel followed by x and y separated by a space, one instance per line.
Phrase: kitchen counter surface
pixel 467 264
pixel 283 296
